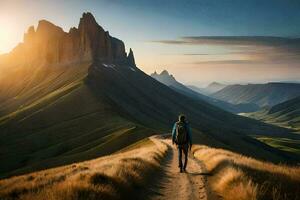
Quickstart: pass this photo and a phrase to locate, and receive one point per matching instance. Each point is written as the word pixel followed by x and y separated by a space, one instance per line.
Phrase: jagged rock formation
pixel 49 44
pixel 130 58
pixel 165 78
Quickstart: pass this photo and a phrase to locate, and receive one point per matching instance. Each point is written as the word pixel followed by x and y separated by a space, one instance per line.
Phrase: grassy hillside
pixel 286 114
pixel 57 121
pixel 285 144
pixel 125 173
pixel 111 177
pixel 101 110
pixel 234 176
pixel 260 94
pixel 25 86
pixel 65 99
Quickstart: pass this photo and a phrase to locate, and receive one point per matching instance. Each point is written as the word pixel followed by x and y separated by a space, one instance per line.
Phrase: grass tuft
pixel 100 178
pixel 109 177
pixel 239 177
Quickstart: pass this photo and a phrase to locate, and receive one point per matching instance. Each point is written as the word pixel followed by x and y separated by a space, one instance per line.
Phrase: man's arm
pixel 173 133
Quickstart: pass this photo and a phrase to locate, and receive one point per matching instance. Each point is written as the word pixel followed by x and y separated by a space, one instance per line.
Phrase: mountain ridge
pixel 49 44
pixel 60 111
pixel 286 114
pixel 261 94
pixel 169 80
pixel 214 87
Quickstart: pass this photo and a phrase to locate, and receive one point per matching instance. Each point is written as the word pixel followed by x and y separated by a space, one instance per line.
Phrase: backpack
pixel 181 133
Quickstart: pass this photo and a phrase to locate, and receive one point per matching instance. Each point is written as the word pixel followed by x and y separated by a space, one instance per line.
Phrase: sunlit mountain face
pixel 199 42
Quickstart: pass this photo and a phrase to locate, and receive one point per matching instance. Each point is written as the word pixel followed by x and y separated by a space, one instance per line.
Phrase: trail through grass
pixel 119 176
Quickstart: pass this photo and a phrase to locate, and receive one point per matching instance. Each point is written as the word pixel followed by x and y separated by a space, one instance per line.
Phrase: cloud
pixel 196 54
pixel 169 41
pixel 227 62
pixel 255 48
pixel 235 40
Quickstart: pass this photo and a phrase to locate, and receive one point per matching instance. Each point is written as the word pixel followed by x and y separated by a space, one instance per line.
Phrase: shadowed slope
pixel 57 112
pixel 168 79
pixel 155 105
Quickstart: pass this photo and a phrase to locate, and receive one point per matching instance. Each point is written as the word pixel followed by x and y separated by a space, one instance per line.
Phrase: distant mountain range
pixel 262 95
pixel 286 114
pixel 214 87
pixel 197 94
pixel 72 96
pixel 210 89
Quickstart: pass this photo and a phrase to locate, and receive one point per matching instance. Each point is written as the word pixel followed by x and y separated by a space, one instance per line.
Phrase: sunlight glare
pixel 8 34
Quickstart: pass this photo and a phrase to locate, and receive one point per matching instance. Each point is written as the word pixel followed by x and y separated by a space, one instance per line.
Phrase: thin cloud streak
pixel 258 49
pixel 234 40
pixel 227 62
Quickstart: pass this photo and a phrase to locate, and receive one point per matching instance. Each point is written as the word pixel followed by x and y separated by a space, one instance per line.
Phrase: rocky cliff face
pixel 49 44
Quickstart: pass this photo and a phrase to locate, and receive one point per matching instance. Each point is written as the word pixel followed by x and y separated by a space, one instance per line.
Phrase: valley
pixel 79 119
pixel 263 95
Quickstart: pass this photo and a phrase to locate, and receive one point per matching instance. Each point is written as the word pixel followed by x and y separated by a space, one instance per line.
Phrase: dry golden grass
pixel 110 177
pixel 237 177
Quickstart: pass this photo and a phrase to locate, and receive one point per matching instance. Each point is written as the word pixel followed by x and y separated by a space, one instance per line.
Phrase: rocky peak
pixel 73 30
pixel 216 84
pixel 47 29
pixel 87 18
pixel 130 58
pixel 164 73
pixel 49 44
pixel 29 35
pixel 165 78
pixel 88 23
pixel 31 30
pixel 154 74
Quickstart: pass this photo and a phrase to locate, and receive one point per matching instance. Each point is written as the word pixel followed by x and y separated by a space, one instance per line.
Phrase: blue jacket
pixel 189 134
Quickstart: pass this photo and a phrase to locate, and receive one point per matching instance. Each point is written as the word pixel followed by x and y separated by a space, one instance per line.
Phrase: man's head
pixel 181 118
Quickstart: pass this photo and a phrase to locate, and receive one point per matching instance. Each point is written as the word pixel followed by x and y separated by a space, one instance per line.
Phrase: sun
pixel 10 35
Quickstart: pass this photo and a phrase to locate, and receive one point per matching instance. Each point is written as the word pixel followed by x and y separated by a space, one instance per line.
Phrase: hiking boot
pixel 181 170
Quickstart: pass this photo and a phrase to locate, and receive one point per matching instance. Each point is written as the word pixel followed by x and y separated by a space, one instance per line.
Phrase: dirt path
pixel 174 185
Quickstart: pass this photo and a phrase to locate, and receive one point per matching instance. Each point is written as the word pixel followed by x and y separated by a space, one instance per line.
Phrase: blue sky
pixel 143 24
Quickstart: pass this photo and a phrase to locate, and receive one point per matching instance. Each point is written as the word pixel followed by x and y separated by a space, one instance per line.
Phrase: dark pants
pixel 183 149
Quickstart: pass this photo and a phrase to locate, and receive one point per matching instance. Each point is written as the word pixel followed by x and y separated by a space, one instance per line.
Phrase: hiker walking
pixel 181 136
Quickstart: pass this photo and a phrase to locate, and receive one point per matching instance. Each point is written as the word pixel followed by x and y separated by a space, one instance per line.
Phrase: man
pixel 181 136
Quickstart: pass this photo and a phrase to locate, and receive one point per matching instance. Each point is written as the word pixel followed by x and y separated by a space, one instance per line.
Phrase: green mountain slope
pixel 286 114
pixel 261 94
pixel 61 108
pixel 208 90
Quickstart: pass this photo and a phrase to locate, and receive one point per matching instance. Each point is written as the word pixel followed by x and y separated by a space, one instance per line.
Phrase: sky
pixel 229 41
